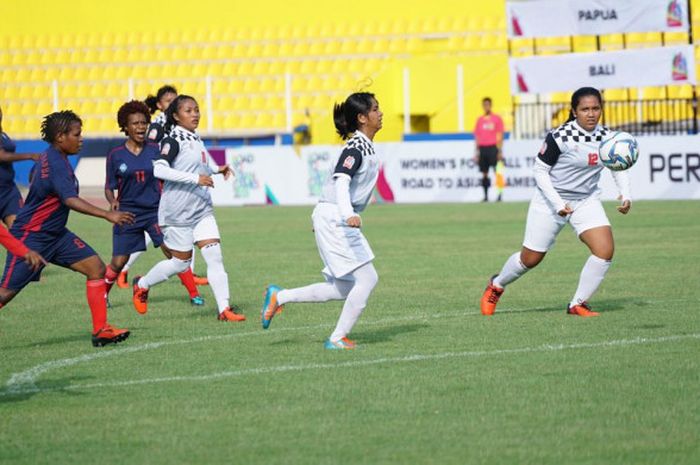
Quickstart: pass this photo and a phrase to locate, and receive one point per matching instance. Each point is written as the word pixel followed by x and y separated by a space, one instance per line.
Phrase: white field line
pixel 25 381
pixel 357 363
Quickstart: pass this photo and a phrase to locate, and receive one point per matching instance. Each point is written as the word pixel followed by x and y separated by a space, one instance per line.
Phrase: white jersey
pixel 185 203
pixel 572 152
pixel 156 130
pixel 358 161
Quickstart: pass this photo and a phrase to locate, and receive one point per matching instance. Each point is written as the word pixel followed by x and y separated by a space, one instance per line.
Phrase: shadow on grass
pixel 602 306
pixel 387 334
pixel 25 393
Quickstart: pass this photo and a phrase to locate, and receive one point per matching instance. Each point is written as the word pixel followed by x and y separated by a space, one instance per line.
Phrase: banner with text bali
pixel 658 66
pixel 541 18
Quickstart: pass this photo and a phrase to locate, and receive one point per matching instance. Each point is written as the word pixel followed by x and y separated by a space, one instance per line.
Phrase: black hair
pixel 131 108
pixel 152 100
pixel 345 114
pixel 58 123
pixel 578 95
pixel 486 99
pixel 172 109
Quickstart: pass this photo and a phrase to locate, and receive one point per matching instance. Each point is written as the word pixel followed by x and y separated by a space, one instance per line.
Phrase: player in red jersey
pixel 41 225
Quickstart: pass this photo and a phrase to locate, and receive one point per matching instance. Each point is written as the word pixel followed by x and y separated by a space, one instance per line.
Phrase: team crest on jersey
pixel 204 157
pixel 122 168
pixel 543 149
pixel 153 134
pixel 165 149
pixel 349 162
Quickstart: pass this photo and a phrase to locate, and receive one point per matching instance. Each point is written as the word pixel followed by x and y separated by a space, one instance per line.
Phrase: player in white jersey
pixel 186 213
pixel 567 171
pixel 346 254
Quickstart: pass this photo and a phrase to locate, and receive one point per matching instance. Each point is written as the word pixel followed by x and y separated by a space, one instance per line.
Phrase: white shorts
pixel 343 249
pixel 181 238
pixel 544 224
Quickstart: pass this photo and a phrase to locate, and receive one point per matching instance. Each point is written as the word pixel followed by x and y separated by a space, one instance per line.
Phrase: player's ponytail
pixel 152 100
pixel 578 95
pixel 345 114
pixel 170 121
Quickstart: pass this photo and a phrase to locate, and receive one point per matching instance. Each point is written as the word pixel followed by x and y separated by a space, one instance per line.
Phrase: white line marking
pixel 357 363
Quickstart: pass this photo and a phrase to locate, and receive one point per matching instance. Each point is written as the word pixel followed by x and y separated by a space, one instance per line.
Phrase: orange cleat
pixel 582 309
pixel 123 280
pixel 342 344
pixel 270 306
pixel 490 298
pixel 201 280
pixel 109 335
pixel 140 297
pixel 230 315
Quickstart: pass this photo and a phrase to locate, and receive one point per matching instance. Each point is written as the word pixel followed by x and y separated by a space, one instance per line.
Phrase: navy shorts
pixel 130 238
pixel 10 201
pixel 63 249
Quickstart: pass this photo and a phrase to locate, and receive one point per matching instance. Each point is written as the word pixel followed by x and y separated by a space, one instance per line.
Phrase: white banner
pixel 657 66
pixel 541 18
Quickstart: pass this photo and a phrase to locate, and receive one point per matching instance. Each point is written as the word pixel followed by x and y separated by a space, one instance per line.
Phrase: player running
pixel 41 225
pixel 346 254
pixel 130 172
pixel 567 171
pixel 10 198
pixel 186 211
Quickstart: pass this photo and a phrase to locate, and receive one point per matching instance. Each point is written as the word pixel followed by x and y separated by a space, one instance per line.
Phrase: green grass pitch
pixel 434 382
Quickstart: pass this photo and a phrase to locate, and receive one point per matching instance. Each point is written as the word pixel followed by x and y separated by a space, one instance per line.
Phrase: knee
pixel 372 278
pixel 99 270
pixel 605 254
pixel 180 265
pixel 530 260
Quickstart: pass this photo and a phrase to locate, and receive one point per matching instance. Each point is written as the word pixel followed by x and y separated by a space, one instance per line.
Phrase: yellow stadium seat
pixel 232 121
pixel 247 120
pixel 684 91
pixel 235 86
pixel 615 94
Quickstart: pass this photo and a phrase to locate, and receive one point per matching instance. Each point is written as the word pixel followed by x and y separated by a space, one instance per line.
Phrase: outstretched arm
pixel 82 206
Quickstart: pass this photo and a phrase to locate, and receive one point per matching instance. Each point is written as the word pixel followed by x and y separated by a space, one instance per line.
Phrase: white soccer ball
pixel 618 151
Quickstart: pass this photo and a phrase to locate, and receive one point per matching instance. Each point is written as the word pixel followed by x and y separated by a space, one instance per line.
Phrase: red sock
pixel 187 279
pixel 97 300
pixel 110 278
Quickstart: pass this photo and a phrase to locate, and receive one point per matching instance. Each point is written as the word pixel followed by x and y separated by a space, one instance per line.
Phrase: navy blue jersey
pixel 132 176
pixel 53 183
pixel 7 173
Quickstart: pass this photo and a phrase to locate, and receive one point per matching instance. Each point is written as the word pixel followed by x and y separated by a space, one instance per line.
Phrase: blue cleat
pixel 342 344
pixel 197 300
pixel 270 307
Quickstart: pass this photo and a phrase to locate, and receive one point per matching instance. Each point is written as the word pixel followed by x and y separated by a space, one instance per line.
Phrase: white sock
pixel 592 275
pixel 365 280
pixel 192 262
pixel 319 292
pixel 162 270
pixel 134 256
pixel 512 270
pixel 218 279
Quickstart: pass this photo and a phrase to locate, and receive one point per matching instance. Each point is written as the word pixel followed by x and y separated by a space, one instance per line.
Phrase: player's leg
pixel 198 280
pixel 113 270
pixel 123 279
pixel 17 273
pixel 208 239
pixel 178 241
pixel 365 279
pixel 80 257
pixel 541 229
pixel 593 228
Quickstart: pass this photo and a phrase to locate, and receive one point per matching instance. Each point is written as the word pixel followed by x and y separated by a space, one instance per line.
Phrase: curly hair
pixel 58 123
pixel 131 108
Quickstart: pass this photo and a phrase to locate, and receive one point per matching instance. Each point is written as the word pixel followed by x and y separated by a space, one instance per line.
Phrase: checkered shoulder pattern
pixel 182 135
pixel 360 143
pixel 160 119
pixel 568 132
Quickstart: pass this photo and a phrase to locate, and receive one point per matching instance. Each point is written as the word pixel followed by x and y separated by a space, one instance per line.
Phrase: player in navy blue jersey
pixel 10 198
pixel 130 173
pixel 41 225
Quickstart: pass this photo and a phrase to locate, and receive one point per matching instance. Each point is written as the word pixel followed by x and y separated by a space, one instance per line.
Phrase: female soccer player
pixel 41 225
pixel 567 171
pixel 345 252
pixel 10 198
pixel 130 172
pixel 186 212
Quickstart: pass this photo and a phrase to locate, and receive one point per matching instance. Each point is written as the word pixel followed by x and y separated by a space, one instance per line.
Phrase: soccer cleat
pixel 109 335
pixel 123 280
pixel 200 280
pixel 197 300
pixel 140 297
pixel 342 344
pixel 582 309
pixel 490 298
pixel 230 315
pixel 270 307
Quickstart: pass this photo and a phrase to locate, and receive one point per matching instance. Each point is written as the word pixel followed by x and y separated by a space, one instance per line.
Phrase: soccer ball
pixel 618 151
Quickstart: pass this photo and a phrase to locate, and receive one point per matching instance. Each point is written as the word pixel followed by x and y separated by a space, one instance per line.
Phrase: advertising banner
pixel 542 18
pixel 658 66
